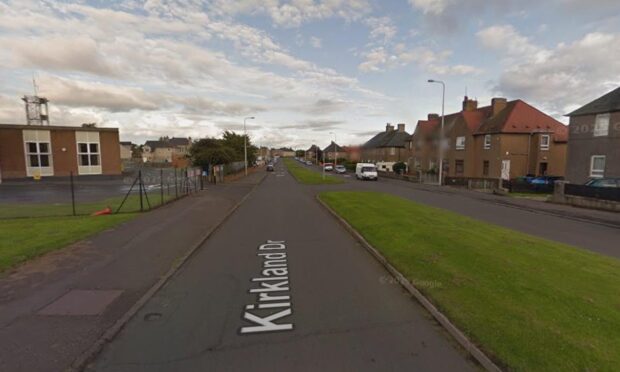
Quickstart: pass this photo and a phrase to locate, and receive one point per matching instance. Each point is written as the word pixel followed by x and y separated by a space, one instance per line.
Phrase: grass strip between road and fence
pixel 309 176
pixel 26 238
pixel 529 303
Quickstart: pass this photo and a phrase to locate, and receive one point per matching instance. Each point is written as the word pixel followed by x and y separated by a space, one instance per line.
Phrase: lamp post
pixel 245 144
pixel 443 101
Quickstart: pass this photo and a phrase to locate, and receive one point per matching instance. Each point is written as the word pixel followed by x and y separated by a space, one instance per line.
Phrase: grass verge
pixel 530 303
pixel 308 176
pixel 132 204
pixel 27 238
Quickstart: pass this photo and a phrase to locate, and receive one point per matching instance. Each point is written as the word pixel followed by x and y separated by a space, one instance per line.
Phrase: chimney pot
pixel 433 116
pixel 469 104
pixel 401 127
pixel 389 127
pixel 498 104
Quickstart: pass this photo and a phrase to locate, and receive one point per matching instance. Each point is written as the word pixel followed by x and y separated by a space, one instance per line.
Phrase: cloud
pixel 560 78
pixel 315 125
pixel 507 39
pixel 316 42
pixel 379 59
pixel 205 106
pixel 382 29
pixel 74 93
pixel 430 6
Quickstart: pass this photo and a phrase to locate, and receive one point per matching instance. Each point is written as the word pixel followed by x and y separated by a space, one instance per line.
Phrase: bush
pixel 399 168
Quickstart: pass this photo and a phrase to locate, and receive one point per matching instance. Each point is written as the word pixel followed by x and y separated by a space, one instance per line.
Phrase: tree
pixel 399 168
pixel 210 151
pixel 300 153
pixel 235 142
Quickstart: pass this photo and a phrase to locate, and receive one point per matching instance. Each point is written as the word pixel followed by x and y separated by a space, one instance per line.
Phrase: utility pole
pixel 443 101
pixel 245 144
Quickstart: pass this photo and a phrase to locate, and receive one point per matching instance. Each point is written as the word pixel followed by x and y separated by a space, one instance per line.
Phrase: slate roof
pixel 126 143
pixel 172 142
pixel 392 138
pixel 313 148
pixel 333 147
pixel 610 102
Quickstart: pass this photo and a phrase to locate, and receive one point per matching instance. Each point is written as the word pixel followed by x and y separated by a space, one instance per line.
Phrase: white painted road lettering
pixel 273 303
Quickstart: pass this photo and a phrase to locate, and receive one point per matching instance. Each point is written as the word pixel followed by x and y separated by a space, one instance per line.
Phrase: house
pixel 284 152
pixel 263 153
pixel 504 139
pixel 354 153
pixel 313 154
pixel 594 139
pixel 334 152
pixel 166 150
pixel 389 146
pixel 126 150
pixel 49 150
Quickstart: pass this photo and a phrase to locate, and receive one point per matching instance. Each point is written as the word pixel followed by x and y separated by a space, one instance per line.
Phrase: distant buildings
pixel 166 150
pixel 126 150
pixel 334 152
pixel 313 154
pixel 594 140
pixel 389 146
pixel 284 152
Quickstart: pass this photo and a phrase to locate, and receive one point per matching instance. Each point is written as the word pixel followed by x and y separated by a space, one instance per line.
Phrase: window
pixel 38 154
pixel 459 167
pixel 597 166
pixel 487 141
pixel 601 125
pixel 544 142
pixel 485 168
pixel 460 143
pixel 392 151
pixel 88 152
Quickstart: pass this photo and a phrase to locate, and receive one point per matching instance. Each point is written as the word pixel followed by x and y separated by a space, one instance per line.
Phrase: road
pixel 326 303
pixel 591 235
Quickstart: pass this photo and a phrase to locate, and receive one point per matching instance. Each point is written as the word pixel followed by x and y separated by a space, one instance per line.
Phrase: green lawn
pixel 531 303
pixel 26 238
pixel 132 204
pixel 308 176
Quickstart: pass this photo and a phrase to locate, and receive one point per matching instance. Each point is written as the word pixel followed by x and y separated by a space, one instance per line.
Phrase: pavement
pixel 594 230
pixel 282 286
pixel 54 308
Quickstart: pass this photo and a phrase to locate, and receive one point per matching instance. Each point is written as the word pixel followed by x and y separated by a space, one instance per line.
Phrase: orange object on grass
pixel 102 212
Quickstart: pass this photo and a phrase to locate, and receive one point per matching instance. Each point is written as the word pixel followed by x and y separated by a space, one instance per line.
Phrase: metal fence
pixel 138 189
pixel 526 187
pixel 592 192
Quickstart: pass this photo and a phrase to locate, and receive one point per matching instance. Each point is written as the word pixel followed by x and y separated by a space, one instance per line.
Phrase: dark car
pixel 604 182
pixel 269 167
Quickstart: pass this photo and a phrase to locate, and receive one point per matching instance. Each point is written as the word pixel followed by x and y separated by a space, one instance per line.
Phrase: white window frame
pixel 487 141
pixel 38 137
pixel 460 143
pixel 601 125
pixel 597 173
pixel 545 141
pixel 88 138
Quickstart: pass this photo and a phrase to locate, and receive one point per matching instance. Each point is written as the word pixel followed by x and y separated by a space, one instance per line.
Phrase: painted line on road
pixel 456 333
pixel 82 361
pixel 273 292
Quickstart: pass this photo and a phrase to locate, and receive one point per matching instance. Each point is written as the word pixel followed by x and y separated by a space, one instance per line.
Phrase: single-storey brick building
pixel 45 151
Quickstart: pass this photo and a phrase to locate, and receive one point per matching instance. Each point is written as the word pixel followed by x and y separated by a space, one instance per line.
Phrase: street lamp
pixel 245 143
pixel 443 101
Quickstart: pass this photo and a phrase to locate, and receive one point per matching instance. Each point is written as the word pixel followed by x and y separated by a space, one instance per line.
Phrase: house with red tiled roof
pixel 505 139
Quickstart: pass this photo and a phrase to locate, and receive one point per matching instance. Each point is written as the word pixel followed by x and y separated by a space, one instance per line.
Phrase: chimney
pixel 432 117
pixel 498 104
pixel 389 127
pixel 469 104
pixel 401 127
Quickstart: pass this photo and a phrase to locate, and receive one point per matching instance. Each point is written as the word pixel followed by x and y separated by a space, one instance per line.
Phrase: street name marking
pixel 272 294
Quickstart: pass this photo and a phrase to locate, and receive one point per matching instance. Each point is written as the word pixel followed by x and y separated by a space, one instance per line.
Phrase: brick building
pixel 389 146
pixel 45 150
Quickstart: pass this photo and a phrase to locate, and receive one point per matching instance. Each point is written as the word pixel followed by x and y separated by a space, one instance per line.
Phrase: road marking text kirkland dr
pixel 273 297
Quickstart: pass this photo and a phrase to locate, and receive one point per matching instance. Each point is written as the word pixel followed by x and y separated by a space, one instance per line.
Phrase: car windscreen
pixel 369 169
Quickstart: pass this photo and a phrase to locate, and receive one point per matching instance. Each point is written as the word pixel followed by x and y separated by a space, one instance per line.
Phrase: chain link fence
pixel 138 189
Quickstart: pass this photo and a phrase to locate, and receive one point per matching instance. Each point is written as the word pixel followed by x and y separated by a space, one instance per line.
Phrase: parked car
pixel 340 169
pixel 328 167
pixel 544 180
pixel 308 162
pixel 269 167
pixel 366 171
pixel 604 182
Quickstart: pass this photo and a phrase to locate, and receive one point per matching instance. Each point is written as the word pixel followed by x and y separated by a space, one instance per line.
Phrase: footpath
pixel 54 309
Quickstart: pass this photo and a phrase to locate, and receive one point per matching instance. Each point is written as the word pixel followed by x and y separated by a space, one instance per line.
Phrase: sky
pixel 309 71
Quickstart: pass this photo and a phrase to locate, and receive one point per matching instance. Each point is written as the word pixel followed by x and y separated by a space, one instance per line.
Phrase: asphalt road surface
pixel 282 286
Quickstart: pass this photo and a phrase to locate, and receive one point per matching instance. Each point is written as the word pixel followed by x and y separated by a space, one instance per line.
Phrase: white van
pixel 366 171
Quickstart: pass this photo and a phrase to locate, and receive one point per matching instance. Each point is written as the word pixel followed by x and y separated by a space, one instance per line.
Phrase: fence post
pixel 140 190
pixel 176 188
pixel 72 193
pixel 161 186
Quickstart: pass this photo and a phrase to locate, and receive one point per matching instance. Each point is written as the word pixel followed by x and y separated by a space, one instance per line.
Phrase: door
pixel 543 169
pixel 506 170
